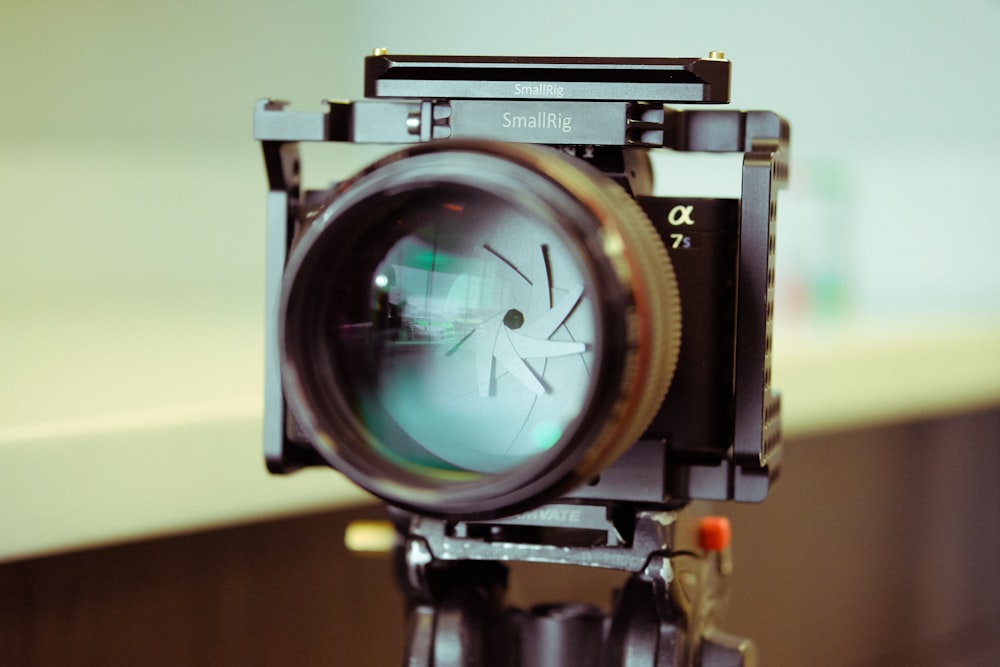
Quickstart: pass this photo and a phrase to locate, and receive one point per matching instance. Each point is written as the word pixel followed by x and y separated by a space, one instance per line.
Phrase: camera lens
pixel 469 328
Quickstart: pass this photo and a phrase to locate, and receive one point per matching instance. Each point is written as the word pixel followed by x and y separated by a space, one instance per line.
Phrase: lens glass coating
pixel 473 348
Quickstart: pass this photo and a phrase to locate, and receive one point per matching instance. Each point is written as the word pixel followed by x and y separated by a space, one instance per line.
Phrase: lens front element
pixel 482 338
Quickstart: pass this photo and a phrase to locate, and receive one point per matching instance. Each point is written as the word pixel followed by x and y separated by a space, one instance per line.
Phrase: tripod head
pixel 665 614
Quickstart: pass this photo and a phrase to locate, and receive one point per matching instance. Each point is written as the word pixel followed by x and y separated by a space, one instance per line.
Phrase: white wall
pixel 131 191
pixel 892 106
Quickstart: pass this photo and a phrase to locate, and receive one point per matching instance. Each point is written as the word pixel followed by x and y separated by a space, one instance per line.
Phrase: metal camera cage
pixel 448 98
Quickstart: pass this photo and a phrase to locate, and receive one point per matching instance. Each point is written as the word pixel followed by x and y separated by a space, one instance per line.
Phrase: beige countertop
pixel 158 444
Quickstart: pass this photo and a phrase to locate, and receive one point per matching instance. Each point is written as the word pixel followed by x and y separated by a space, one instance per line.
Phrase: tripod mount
pixel 454 579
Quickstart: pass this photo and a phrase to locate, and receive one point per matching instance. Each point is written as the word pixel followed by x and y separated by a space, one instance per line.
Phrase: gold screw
pixel 716 55
pixel 370 537
pixel 380 51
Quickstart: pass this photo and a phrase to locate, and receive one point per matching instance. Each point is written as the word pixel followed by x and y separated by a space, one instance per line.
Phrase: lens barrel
pixel 470 328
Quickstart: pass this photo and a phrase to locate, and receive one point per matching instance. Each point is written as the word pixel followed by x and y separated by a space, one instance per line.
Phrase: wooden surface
pixel 878 548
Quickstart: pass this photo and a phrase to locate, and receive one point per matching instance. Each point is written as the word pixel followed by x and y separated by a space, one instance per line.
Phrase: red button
pixel 714 533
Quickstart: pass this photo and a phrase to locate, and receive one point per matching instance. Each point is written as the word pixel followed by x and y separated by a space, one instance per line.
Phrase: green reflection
pixel 397 447
pixel 546 434
pixel 429 259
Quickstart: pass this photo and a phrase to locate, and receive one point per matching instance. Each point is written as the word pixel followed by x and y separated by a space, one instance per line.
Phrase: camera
pixel 504 331
pixel 499 320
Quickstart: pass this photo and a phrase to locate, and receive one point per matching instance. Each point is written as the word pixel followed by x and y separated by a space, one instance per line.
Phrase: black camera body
pixel 717 433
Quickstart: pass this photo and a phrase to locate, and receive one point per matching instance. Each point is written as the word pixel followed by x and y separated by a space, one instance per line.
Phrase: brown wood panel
pixel 879 547
pixel 280 593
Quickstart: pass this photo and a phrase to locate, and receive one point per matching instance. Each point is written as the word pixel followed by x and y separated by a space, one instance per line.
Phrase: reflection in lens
pixel 482 339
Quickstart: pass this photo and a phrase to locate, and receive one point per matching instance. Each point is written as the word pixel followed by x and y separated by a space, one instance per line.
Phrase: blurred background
pixel 131 311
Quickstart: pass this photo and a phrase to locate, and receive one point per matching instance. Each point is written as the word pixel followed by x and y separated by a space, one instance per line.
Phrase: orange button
pixel 714 533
